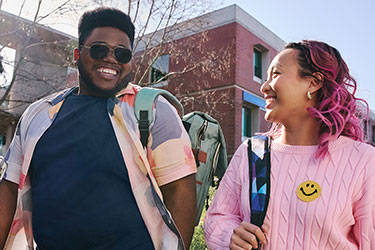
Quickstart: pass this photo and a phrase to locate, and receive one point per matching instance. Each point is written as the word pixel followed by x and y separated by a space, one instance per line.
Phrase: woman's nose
pixel 264 87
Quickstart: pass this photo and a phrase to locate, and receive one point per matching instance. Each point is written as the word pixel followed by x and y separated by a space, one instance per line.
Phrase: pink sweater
pixel 342 217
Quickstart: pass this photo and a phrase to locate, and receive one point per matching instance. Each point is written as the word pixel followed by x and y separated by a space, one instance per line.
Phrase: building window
pixel 159 70
pixel 261 60
pixel 246 122
pixel 373 134
pixel 8 57
pixel 257 63
pixel 365 129
pixel 250 120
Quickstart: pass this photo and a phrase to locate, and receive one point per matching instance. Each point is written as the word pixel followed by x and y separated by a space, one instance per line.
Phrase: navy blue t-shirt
pixel 81 194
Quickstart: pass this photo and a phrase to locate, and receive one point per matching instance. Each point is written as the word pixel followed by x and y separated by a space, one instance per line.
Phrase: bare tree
pixel 160 25
pixel 42 56
pixel 175 28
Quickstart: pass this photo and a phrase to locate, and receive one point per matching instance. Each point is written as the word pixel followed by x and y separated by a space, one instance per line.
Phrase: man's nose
pixel 110 57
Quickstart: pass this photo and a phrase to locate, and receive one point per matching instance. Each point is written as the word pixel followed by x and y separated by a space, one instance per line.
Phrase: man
pixel 79 166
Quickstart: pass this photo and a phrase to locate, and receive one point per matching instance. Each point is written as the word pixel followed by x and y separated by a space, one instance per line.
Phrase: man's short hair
pixel 104 17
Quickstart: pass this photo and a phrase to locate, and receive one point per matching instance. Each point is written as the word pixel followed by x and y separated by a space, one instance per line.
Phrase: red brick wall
pixel 237 121
pixel 245 42
pixel 214 59
pixel 224 59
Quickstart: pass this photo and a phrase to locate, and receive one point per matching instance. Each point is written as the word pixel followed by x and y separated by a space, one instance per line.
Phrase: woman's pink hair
pixel 335 108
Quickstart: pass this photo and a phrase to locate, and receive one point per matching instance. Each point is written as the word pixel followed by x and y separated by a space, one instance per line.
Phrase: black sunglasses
pixel 100 50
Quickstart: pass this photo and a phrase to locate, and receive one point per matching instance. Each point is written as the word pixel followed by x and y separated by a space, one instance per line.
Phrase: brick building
pixel 233 51
pixel 224 60
pixel 42 65
pixel 233 59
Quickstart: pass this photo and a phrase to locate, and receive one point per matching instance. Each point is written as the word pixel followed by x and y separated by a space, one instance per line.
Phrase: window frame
pixel 246 113
pixel 253 121
pixel 153 82
pixel 257 63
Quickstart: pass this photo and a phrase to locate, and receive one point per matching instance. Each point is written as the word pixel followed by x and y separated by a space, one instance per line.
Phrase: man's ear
pixel 316 82
pixel 76 55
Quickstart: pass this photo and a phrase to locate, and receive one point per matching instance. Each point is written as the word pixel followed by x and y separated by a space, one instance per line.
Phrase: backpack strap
pixel 259 174
pixel 143 109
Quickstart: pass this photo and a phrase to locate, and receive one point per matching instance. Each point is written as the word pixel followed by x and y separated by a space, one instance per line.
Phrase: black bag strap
pixel 143 109
pixel 144 127
pixel 259 177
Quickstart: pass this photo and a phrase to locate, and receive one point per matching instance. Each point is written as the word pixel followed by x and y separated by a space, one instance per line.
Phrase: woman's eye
pixel 275 73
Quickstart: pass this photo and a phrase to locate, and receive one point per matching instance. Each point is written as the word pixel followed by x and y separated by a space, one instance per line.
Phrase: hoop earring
pixel 309 95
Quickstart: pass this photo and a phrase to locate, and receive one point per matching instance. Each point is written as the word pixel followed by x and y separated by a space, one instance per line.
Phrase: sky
pixel 348 25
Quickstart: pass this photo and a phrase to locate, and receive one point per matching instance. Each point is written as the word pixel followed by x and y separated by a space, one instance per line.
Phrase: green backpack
pixel 207 140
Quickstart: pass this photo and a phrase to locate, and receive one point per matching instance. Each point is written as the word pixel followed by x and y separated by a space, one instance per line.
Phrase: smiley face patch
pixel 308 191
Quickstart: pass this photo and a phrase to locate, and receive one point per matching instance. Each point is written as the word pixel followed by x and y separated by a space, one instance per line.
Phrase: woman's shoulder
pixel 365 149
pixel 344 141
pixel 356 149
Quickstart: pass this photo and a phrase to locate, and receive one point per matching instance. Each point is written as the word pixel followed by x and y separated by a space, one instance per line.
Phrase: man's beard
pixel 87 80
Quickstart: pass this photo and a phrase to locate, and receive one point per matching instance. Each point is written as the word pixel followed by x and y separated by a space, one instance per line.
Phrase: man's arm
pixel 8 201
pixel 180 199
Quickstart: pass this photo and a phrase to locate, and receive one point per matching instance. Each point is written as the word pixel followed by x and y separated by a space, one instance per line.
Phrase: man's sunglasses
pixel 100 50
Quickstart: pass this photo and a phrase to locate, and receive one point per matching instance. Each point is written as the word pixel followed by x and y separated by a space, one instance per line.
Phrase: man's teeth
pixel 107 71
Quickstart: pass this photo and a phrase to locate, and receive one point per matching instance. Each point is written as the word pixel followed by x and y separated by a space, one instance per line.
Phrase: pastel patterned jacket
pixel 168 157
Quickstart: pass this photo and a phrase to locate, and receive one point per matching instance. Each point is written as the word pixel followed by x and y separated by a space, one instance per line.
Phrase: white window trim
pixel 159 84
pixel 257 79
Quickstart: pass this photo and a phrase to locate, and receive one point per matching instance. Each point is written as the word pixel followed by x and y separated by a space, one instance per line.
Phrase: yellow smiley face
pixel 308 191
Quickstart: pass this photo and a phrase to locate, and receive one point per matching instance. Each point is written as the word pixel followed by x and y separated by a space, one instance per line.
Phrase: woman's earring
pixel 309 95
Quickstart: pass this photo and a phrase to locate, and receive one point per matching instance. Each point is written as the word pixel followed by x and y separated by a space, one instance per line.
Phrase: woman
pixel 322 174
